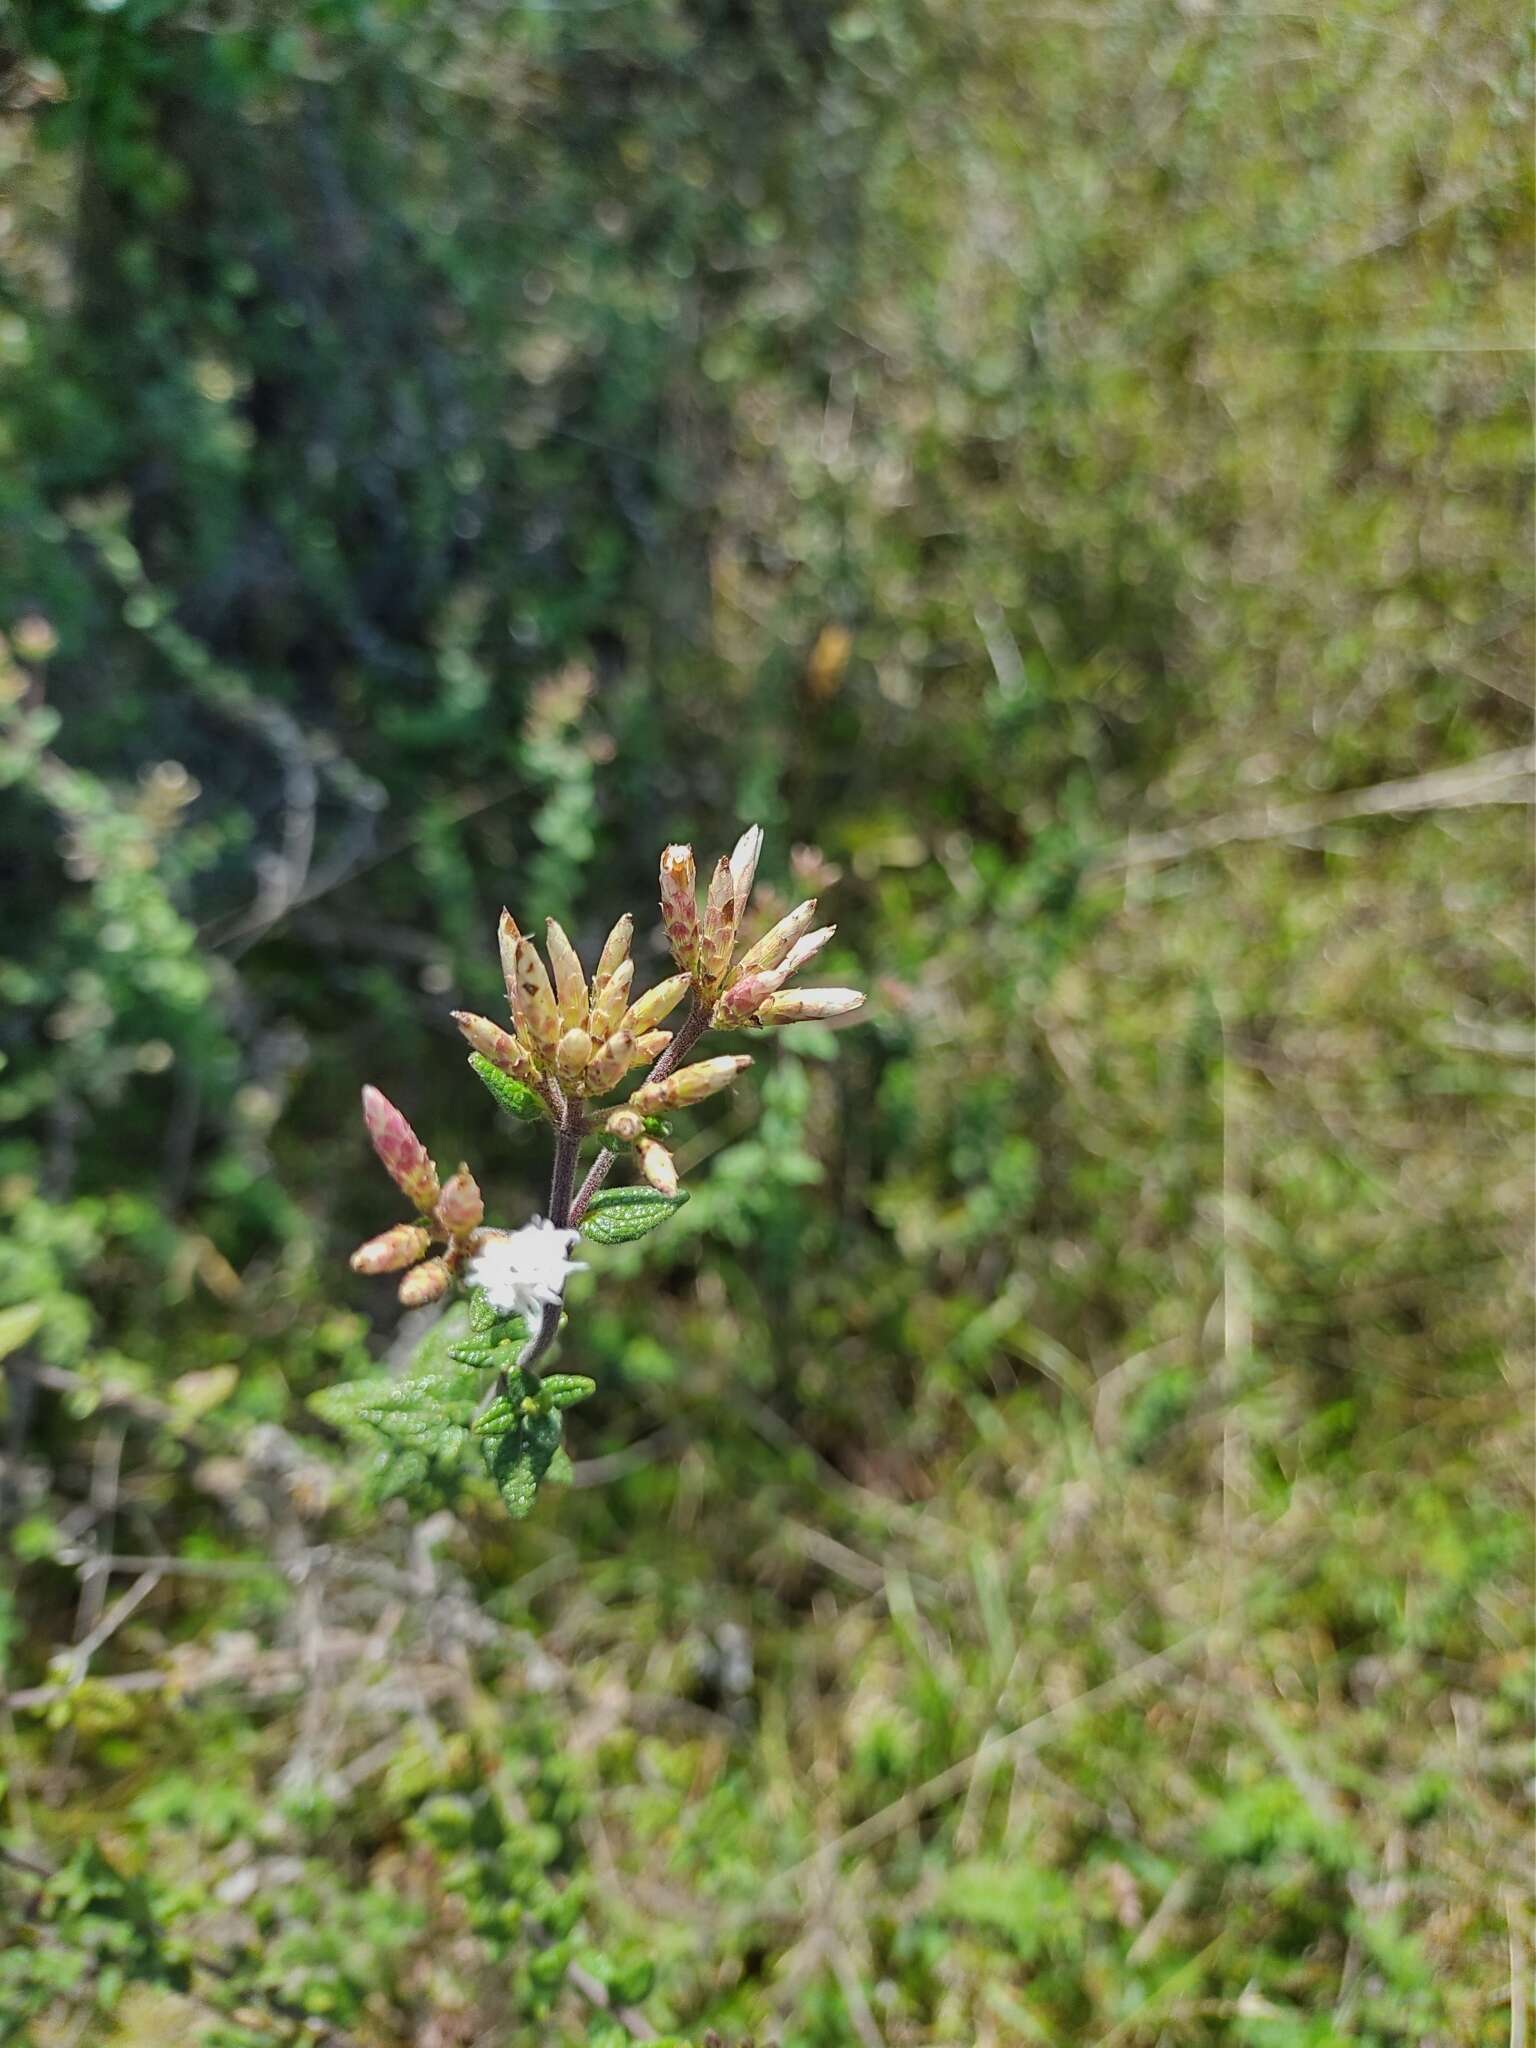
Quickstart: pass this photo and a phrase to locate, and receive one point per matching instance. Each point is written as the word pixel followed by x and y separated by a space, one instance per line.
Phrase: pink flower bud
pixel 570 982
pixel 689 1084
pixel 750 990
pixel 657 1002
pixel 744 857
pixel 679 905
pixel 572 1054
pixel 743 996
pixel 425 1283
pixel 460 1208
pixel 392 1249
pixel 658 1166
pixel 719 934
pixel 610 1063
pixel 540 1018
pixel 496 1045
pixel 773 945
pixel 608 1009
pixel 804 951
pixel 508 938
pixel 615 952
pixel 626 1125
pixel 401 1153
pixel 649 1047
pixel 810 1005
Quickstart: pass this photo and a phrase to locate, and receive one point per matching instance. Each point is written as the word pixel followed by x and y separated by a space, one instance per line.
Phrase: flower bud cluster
pixel 573 1039
pixel 748 990
pixel 451 1211
pixel 678 1090
pixel 570 1036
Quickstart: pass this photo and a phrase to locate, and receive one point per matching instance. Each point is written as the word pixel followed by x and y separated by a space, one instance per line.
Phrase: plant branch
pixel 694 1026
pixel 562 1175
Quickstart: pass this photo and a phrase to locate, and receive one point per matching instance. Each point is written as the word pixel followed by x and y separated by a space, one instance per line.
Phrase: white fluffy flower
pixel 524 1270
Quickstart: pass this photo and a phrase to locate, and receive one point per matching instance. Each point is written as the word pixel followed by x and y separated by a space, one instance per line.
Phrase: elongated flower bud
pixel 649 1047
pixel 689 1084
pixel 425 1283
pixel 496 1045
pixel 680 906
pixel 460 1208
pixel 809 1005
pixel 539 1016
pixel 804 951
pixel 610 1063
pixel 625 1124
pixel 719 934
pixel 773 945
pixel 393 1249
pixel 507 936
pixel 570 982
pixel 608 1010
pixel 744 856
pixel 744 995
pixel 401 1153
pixel 615 950
pixel 658 1166
pixel 572 1054
pixel 751 988
pixel 657 1002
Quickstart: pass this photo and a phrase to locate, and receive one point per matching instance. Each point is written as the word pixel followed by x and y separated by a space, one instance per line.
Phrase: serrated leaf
pixel 512 1470
pixel 488 1321
pixel 502 1415
pixel 430 1413
pixel 565 1389
pixel 515 1097
pixel 520 1459
pixel 395 1470
pixel 434 1353
pixel 619 1215
pixel 475 1354
pixel 561 1472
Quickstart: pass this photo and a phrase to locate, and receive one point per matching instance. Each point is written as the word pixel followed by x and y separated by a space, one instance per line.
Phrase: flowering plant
pixel 572 1042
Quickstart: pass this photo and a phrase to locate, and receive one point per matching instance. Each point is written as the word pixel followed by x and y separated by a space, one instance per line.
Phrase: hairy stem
pixel 562 1176
pixel 567 1145
pixel 693 1029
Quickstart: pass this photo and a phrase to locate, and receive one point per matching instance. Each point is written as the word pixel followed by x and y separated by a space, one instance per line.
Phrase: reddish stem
pixel 694 1027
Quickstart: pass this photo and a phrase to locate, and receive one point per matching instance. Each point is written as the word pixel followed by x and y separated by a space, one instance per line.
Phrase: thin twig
pixel 693 1029
pixel 1503 778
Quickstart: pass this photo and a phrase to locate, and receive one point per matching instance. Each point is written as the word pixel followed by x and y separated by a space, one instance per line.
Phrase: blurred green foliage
pixel 1049 1552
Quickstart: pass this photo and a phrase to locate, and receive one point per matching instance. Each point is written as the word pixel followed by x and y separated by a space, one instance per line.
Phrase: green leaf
pixel 478 1356
pixel 619 1215
pixel 18 1324
pixel 520 1459
pixel 560 1472
pixel 412 1411
pixel 515 1097
pixel 516 1481
pixel 417 1429
pixel 565 1389
pixel 435 1352
pixel 502 1415
pixel 491 1323
pixel 395 1470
